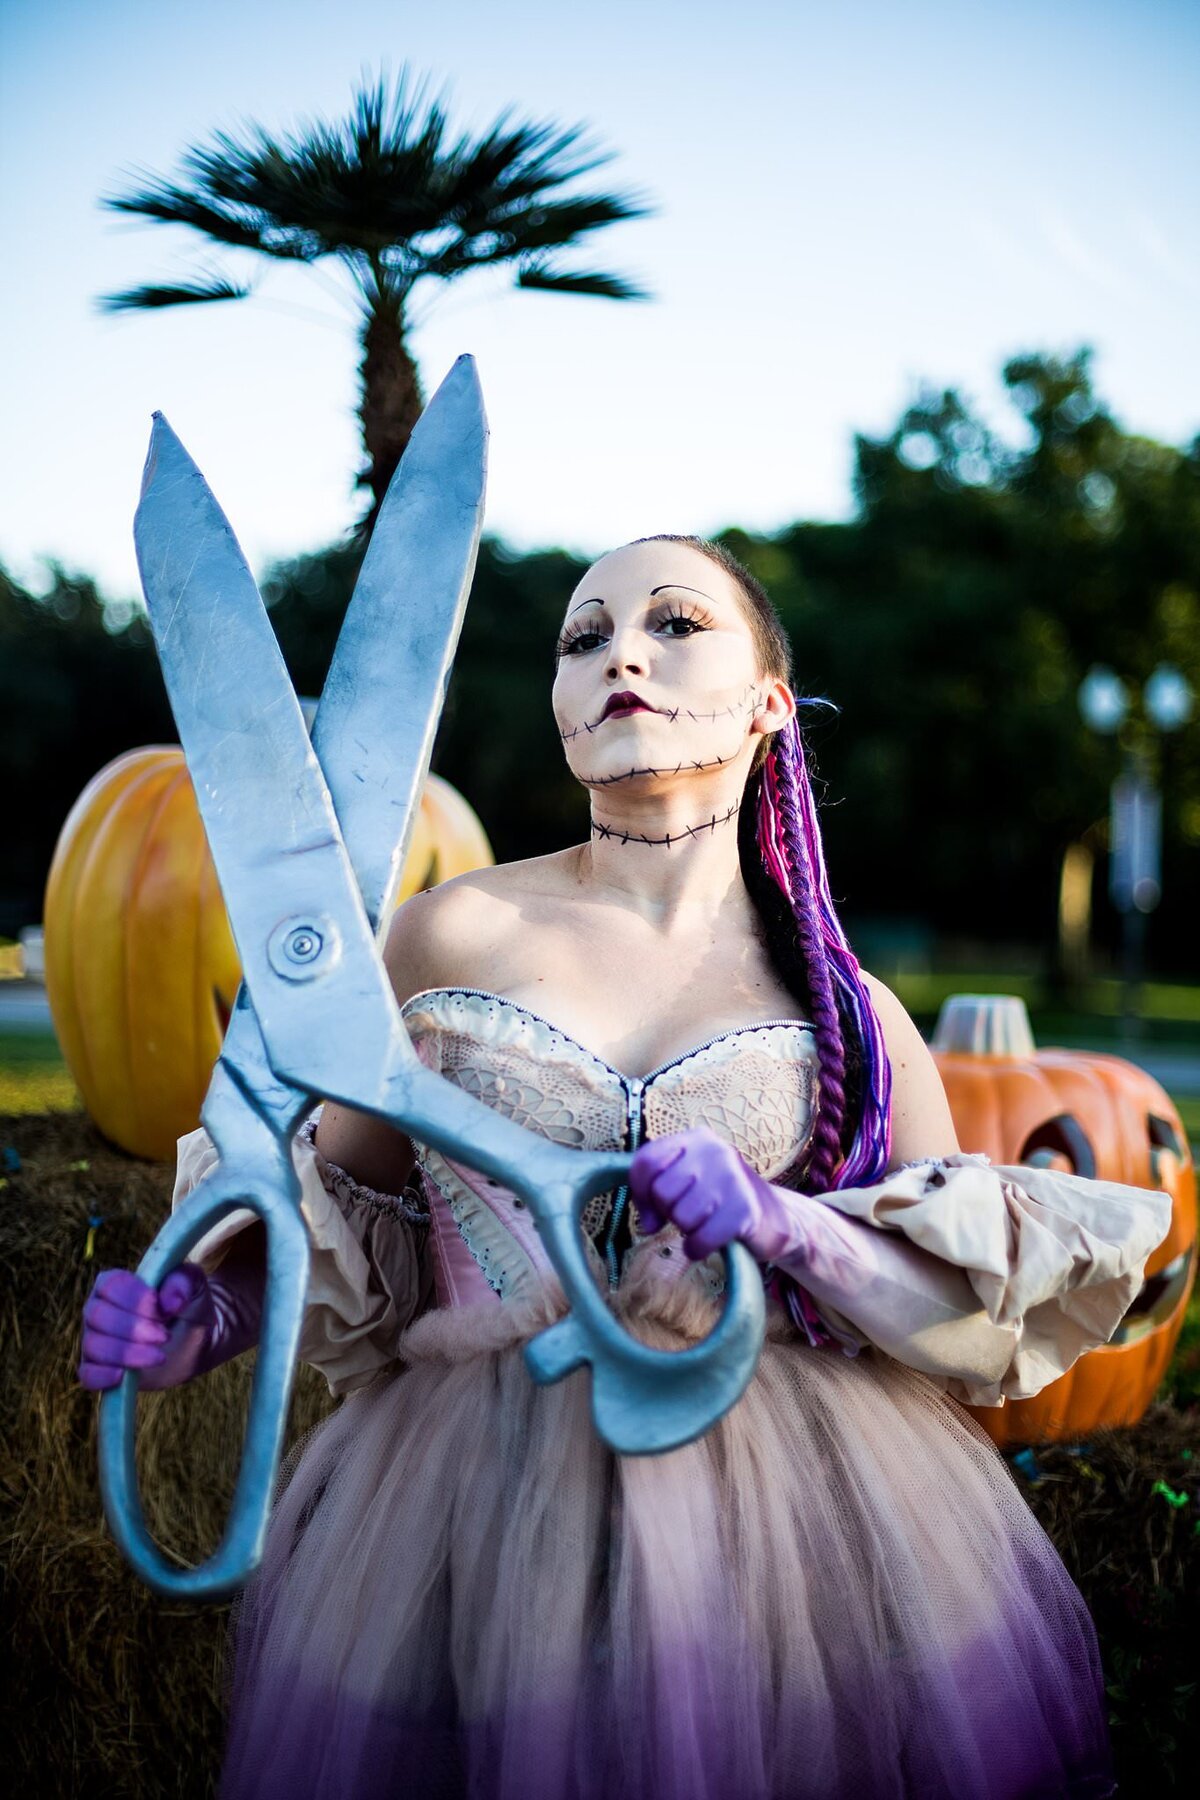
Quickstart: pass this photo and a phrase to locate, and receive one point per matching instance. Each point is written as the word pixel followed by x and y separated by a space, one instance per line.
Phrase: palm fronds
pixel 180 294
pixel 387 192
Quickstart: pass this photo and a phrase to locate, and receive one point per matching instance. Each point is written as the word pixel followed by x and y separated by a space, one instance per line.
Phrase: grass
pixel 1169 1011
pixel 1189 1114
pixel 33 1076
pixel 1162 1002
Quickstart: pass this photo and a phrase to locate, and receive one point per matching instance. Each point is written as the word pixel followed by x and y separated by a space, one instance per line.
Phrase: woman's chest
pixel 639 1007
pixel 754 1085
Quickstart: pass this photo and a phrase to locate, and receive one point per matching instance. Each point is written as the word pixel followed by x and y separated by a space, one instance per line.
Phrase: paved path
pixel 23 1005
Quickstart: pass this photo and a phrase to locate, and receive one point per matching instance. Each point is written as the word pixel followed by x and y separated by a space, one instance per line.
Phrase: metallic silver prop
pixel 308 839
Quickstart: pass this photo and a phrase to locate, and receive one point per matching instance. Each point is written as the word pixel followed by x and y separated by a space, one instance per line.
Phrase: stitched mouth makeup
pixel 620 706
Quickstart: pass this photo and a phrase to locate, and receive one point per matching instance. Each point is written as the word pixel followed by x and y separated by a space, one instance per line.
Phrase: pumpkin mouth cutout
pixel 1061 1143
pixel 1158 1298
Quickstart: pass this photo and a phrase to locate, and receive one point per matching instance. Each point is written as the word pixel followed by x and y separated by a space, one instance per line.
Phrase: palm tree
pixel 395 201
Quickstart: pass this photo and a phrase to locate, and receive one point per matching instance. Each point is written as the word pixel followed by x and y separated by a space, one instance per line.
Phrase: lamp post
pixel 1135 807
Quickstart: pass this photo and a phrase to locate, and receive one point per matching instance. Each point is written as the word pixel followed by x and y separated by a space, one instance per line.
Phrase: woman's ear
pixel 777 704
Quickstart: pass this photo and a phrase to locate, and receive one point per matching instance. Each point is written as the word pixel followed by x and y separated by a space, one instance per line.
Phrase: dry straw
pixel 109 1689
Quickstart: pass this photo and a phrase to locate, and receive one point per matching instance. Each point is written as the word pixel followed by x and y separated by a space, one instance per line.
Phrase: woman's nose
pixel 626 655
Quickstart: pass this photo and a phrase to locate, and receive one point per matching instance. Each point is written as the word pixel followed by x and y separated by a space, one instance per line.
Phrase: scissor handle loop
pixel 643 1400
pixel 271 1190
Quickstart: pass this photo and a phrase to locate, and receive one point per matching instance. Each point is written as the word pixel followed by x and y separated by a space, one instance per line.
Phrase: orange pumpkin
pixel 141 967
pixel 1094 1115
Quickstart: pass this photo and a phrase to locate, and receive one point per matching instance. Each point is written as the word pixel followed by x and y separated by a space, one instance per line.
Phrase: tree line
pixel 950 622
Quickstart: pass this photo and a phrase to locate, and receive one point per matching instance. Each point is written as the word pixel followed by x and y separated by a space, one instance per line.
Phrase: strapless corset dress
pixel 838 1593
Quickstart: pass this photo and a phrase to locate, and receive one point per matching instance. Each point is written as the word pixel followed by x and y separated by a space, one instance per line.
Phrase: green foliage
pixel 78 685
pixel 951 623
pixel 498 740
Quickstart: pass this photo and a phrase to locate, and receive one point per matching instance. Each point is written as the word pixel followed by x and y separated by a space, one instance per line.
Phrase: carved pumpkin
pixel 1089 1114
pixel 141 967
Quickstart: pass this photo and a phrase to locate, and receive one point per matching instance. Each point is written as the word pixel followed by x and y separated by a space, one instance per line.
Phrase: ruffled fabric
pixel 370 1272
pixel 992 1279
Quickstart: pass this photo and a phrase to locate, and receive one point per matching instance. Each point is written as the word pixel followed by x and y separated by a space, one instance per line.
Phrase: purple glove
pixel 192 1323
pixel 699 1183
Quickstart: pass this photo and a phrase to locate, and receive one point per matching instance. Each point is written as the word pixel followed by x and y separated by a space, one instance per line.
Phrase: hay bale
pixel 1123 1511
pixel 109 1689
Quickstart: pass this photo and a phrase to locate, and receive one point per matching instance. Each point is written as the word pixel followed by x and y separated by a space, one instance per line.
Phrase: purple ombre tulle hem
pixel 837 1594
pixel 986 1742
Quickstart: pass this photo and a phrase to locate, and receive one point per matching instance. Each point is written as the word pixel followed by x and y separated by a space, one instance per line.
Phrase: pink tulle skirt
pixel 838 1593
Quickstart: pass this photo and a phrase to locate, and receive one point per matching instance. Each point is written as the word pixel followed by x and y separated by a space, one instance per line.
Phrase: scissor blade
pixel 383 696
pixel 271 825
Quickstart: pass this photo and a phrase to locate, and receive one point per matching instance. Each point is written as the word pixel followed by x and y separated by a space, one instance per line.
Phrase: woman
pixel 838 1591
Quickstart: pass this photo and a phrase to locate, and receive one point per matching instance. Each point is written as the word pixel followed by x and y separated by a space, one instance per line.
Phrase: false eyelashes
pixel 570 642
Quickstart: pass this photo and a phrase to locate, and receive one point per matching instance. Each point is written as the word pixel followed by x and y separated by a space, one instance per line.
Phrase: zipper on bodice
pixel 620 1235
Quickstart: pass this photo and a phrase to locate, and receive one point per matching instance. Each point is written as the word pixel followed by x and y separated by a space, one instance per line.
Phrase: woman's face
pixel 665 624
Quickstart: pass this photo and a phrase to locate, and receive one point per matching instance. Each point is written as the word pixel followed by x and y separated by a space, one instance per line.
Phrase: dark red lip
pixel 625 703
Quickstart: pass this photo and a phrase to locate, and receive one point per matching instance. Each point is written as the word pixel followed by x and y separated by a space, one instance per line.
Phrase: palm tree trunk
pixel 391 401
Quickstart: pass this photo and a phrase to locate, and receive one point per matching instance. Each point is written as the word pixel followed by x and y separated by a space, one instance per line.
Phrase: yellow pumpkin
pixel 1094 1115
pixel 141 967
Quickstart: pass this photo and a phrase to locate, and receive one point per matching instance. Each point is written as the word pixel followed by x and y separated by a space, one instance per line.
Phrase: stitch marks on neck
pixel 616 835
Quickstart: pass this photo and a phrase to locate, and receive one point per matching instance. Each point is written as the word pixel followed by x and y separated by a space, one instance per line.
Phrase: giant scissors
pixel 309 838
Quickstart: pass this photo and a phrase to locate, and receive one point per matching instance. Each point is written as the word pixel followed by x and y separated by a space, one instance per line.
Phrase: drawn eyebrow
pixel 667 586
pixel 679 588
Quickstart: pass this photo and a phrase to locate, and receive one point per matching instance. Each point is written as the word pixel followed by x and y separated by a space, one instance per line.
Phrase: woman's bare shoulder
pixel 921 1121
pixel 454 933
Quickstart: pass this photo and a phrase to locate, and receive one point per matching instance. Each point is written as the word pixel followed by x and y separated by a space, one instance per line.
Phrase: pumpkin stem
pixel 984 1025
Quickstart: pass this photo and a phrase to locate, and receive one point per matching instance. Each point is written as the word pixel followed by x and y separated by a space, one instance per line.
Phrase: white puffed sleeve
pixel 370 1273
pixel 993 1279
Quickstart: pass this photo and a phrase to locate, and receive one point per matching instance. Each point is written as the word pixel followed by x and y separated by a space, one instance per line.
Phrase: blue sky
pixel 851 199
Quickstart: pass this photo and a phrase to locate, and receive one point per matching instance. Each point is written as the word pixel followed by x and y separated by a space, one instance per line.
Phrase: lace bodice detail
pixel 755 1085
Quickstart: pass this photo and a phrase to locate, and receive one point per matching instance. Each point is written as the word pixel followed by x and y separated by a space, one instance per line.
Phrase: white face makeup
pixel 664 624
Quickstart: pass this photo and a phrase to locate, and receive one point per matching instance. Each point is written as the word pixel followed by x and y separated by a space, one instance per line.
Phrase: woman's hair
pixel 783 865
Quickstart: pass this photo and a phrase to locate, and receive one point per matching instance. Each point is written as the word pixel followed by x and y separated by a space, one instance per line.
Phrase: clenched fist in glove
pixel 700 1184
pixel 186 1327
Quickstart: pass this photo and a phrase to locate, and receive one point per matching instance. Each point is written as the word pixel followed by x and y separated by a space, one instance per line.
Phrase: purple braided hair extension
pixel 781 798
pixel 790 841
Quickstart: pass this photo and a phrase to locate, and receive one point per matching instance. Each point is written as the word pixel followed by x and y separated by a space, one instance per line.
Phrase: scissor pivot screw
pixel 301 949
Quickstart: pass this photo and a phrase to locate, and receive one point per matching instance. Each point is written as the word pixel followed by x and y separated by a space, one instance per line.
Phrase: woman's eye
pixel 576 642
pixel 579 640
